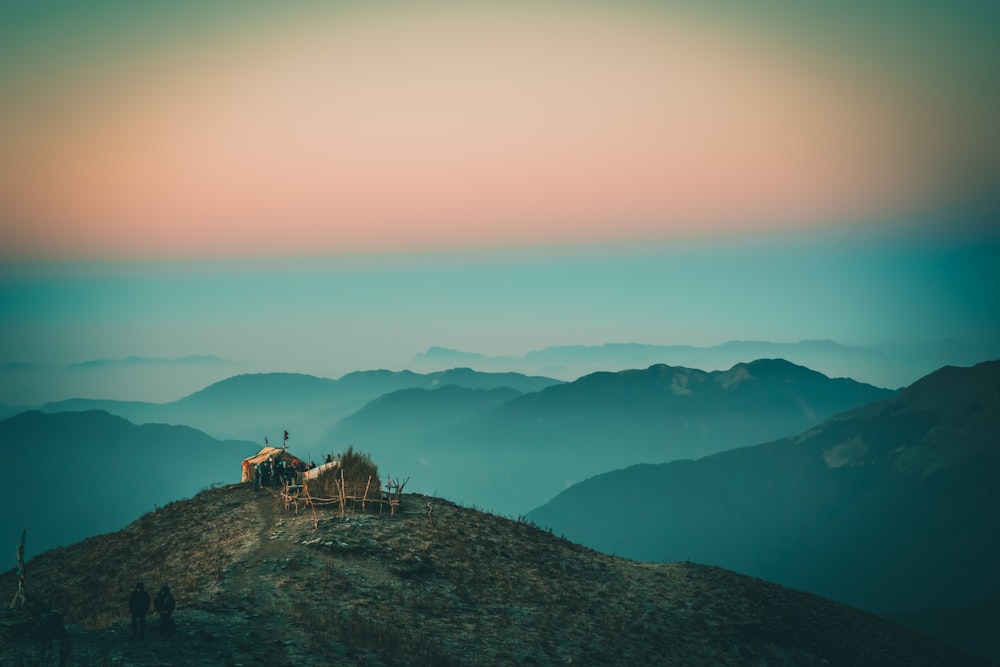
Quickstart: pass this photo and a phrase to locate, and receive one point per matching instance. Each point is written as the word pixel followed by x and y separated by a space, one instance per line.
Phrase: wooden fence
pixel 346 495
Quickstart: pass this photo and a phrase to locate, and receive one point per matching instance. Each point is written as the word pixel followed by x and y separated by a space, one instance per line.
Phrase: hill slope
pixel 258 585
pixel 888 507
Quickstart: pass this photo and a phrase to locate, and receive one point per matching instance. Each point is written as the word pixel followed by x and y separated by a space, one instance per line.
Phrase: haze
pixel 324 189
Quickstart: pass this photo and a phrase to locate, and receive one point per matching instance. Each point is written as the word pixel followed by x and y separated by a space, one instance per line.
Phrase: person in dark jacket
pixel 164 605
pixel 138 604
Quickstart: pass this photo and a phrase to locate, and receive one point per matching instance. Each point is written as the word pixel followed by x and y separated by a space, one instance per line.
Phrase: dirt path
pixel 261 559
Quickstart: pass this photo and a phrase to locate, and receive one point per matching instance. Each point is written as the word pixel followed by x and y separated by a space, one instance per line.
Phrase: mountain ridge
pixel 110 469
pixel 887 507
pixel 885 365
pixel 250 405
pixel 646 415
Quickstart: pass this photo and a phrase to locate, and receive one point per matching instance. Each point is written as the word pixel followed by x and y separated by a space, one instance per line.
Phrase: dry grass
pixel 437 584
pixel 358 473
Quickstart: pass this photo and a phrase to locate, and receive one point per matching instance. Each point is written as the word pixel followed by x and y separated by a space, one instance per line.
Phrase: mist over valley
pixel 768 468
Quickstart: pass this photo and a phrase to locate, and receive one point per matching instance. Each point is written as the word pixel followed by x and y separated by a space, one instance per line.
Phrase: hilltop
pixel 437 584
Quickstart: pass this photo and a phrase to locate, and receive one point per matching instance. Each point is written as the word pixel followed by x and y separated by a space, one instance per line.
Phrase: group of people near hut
pixel 275 472
pixel 163 604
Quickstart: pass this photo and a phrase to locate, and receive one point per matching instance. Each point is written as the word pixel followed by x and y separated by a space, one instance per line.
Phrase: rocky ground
pixel 437 584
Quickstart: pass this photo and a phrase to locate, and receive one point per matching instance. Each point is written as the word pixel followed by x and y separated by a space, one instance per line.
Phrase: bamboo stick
pixel 364 498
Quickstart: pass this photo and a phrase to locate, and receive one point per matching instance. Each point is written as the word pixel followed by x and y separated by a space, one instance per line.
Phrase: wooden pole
pixel 19 597
pixel 364 498
pixel 310 503
pixel 342 492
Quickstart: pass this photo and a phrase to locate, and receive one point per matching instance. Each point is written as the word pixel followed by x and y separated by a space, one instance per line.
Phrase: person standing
pixel 164 605
pixel 138 604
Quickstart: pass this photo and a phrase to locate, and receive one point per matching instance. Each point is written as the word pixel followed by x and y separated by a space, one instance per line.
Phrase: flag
pixel 265 441
pixel 286 435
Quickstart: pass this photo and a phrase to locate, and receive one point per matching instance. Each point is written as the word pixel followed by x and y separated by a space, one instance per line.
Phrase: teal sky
pixel 331 316
pixel 322 187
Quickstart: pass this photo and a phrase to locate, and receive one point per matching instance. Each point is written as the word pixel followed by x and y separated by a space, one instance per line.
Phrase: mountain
pixel 435 584
pixel 76 474
pixel 399 414
pixel 252 406
pixel 681 407
pixel 141 378
pixel 883 365
pixel 972 627
pixel 541 442
pixel 135 360
pixel 888 507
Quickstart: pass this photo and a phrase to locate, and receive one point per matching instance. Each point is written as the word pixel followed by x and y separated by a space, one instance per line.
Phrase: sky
pixel 323 187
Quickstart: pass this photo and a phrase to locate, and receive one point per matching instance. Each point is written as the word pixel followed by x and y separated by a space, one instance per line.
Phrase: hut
pixel 276 453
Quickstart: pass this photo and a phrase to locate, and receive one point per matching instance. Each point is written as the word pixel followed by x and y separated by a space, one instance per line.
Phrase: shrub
pixel 358 468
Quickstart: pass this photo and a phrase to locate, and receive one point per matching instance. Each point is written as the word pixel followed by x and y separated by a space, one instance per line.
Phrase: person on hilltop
pixel 279 473
pixel 164 605
pixel 138 604
pixel 265 473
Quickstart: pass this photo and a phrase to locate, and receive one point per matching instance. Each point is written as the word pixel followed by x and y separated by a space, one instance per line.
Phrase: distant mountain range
pixel 889 507
pixel 136 360
pixel 509 456
pixel 505 441
pixel 887 365
pixel 253 406
pixel 75 474
pixel 137 377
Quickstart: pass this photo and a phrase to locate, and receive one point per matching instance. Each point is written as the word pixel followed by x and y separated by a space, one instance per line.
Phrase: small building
pixel 276 453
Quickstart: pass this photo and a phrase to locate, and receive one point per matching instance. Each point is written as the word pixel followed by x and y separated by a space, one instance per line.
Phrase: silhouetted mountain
pixel 401 414
pixel 435 584
pixel 11 410
pixel 135 360
pixel 134 378
pixel 884 365
pixel 253 406
pixel 540 442
pixel 973 627
pixel 75 474
pixel 137 412
pixel 889 507
pixel 678 409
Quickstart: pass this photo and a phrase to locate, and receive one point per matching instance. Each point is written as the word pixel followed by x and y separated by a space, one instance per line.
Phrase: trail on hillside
pixel 265 553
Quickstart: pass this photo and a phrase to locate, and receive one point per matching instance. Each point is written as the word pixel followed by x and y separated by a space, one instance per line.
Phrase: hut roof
pixel 263 455
pixel 320 469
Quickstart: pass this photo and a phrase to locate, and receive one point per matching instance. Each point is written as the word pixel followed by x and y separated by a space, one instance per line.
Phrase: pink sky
pixel 411 130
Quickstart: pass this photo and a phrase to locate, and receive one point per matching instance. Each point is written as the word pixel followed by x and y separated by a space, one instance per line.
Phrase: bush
pixel 358 468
